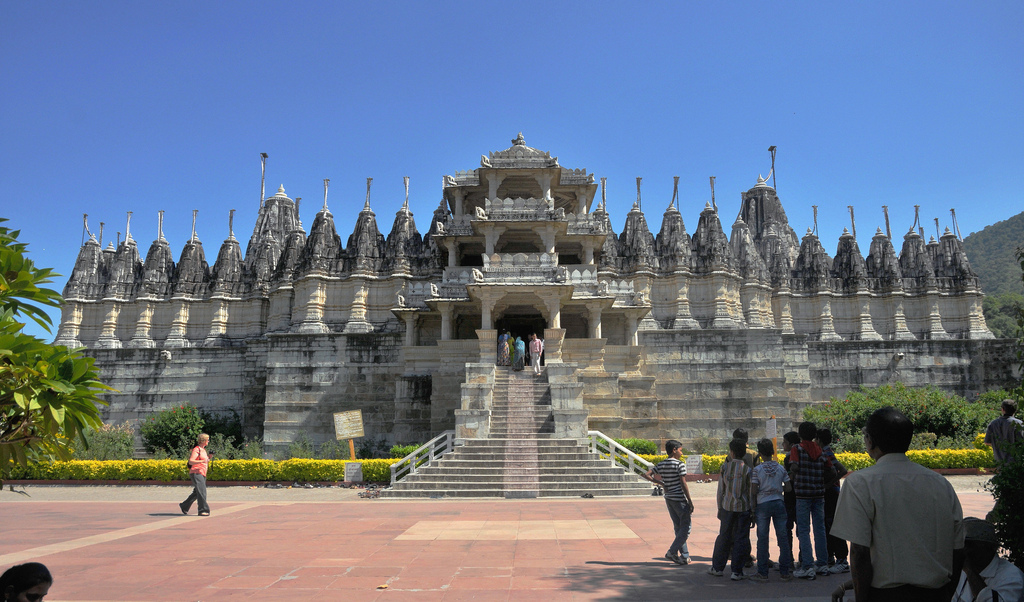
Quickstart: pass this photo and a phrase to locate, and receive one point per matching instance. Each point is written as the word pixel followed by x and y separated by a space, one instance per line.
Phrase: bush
pixel 639 446
pixel 1007 486
pixel 224 423
pixel 108 442
pixel 705 444
pixel 174 430
pixel 333 449
pixel 371 447
pixel 302 447
pixel 401 451
pixel 930 409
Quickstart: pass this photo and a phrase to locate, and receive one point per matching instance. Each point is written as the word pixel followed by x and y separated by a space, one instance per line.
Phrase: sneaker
pixel 738 577
pixel 839 567
pixel 674 558
pixel 713 572
pixel 822 570
pixel 758 577
pixel 802 573
pixel 786 577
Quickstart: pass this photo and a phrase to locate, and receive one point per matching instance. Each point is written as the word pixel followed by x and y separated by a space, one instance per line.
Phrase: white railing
pixel 424 455
pixel 619 455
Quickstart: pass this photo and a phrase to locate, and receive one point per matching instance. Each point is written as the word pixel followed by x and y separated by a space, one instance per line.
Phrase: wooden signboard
pixel 349 425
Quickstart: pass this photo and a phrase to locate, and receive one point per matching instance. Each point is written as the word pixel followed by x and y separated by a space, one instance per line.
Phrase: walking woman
pixel 198 461
pixel 520 357
pixel 25 582
pixel 504 359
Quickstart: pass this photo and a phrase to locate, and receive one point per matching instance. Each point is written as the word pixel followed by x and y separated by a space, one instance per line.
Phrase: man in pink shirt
pixel 536 348
pixel 198 461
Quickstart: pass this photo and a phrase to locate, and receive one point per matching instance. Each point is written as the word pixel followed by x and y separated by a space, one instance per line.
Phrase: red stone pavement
pixel 122 548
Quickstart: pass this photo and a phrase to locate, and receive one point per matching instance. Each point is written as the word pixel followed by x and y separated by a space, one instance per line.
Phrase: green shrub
pixel 108 442
pixel 174 430
pixel 706 445
pixel 333 449
pixel 225 423
pixel 639 446
pixel 301 447
pixel 923 441
pixel 370 447
pixel 930 409
pixel 401 451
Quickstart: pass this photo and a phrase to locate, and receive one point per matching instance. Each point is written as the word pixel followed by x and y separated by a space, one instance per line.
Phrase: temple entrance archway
pixel 521 325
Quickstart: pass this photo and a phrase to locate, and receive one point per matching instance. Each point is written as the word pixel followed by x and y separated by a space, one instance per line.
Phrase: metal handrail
pixel 603 444
pixel 424 455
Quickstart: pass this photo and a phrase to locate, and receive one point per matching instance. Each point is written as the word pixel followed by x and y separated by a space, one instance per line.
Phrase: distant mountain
pixel 991 253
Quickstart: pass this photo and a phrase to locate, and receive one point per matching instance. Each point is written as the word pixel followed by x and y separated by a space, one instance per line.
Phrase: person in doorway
pixel 670 473
pixel 520 355
pixel 198 461
pixel 29 582
pixel 536 348
pixel 504 359
pixel 903 521
pixel 1004 432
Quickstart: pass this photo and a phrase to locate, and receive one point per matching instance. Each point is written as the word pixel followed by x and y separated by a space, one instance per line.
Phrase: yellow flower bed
pixel 220 470
pixel 930 458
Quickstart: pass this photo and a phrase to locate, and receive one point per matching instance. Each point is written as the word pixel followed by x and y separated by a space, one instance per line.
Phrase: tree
pixel 48 393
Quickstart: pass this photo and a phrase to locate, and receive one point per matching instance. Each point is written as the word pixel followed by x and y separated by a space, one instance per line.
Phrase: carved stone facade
pixel 667 336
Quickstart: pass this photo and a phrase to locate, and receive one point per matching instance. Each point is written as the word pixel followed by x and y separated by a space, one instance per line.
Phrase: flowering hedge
pixel 930 458
pixel 220 470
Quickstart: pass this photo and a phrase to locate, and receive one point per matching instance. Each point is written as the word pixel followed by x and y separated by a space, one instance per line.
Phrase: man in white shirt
pixel 903 521
pixel 986 576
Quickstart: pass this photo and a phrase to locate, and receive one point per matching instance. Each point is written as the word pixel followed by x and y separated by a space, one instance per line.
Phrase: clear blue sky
pixel 111 107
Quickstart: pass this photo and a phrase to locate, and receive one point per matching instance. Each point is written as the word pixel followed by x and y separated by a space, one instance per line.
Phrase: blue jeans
pixel 680 513
pixel 808 511
pixel 735 530
pixel 767 512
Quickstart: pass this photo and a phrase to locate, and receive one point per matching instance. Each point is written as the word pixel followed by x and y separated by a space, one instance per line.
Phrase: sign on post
pixel 695 464
pixel 349 425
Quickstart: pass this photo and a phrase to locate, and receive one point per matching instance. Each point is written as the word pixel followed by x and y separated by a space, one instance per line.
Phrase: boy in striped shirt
pixel 670 473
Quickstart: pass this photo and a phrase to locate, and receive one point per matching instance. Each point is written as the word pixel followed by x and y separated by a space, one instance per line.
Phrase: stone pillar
pixel 683 319
pixel 935 330
pixel 544 181
pixel 554 309
pixel 828 328
pixel 901 332
pixel 547 237
pixel 450 244
pixel 491 235
pixel 594 313
pixel 631 329
pixel 108 330
pixel 488 339
pixel 493 181
pixel 784 316
pixel 410 328
pixel 218 325
pixel 357 323
pixel 70 325
pixel 459 194
pixel 866 330
pixel 977 328
pixel 311 319
pixel 588 253
pixel 581 202
pixel 179 324
pixel 143 325
pixel 446 321
pixel 553 338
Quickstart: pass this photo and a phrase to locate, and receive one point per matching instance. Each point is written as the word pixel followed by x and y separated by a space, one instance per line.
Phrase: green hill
pixel 991 253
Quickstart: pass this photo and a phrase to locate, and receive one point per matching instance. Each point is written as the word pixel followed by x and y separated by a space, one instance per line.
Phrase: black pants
pixel 837 547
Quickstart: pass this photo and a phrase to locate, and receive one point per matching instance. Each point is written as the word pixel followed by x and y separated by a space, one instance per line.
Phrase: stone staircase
pixel 521 458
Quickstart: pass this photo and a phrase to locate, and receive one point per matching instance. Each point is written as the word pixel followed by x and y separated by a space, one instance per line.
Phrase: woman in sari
pixel 504 359
pixel 520 357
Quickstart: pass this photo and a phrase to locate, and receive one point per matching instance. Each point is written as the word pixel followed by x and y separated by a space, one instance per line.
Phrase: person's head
pixel 1009 407
pixel 28 582
pixel 807 431
pixel 824 437
pixel 789 440
pixel 672 447
pixel 737 449
pixel 766 449
pixel 741 434
pixel 980 544
pixel 203 439
pixel 887 431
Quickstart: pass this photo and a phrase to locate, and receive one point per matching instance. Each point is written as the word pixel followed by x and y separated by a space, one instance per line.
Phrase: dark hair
pixel 792 436
pixel 24 577
pixel 890 430
pixel 825 436
pixel 766 448
pixel 1009 407
pixel 807 431
pixel 671 446
pixel 741 434
pixel 738 447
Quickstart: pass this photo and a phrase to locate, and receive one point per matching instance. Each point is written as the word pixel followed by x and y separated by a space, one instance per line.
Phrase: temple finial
pixel 888 232
pixel 101 232
pixel 195 212
pixel 639 204
pixel 815 207
pixel 675 191
pixel 713 203
pixel 367 205
pixel 853 224
pixel 85 224
pixel 956 226
pixel 327 181
pixel 231 224
pixel 160 225
pixel 128 228
pixel 604 195
pixel 263 177
pixel 405 205
pixel 937 235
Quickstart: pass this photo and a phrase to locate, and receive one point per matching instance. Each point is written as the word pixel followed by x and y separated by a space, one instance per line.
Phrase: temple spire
pixel 231 224
pixel 405 205
pixel 128 228
pixel 263 177
pixel 327 181
pixel 367 205
pixel 194 213
pixel 638 203
pixel 675 191
pixel 888 232
pixel 713 203
pixel 853 224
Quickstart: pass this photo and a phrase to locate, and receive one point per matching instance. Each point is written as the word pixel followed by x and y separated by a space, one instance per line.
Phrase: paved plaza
pixel 132 543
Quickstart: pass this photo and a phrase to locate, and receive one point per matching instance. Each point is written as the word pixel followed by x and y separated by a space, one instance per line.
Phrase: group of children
pixel 755 490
